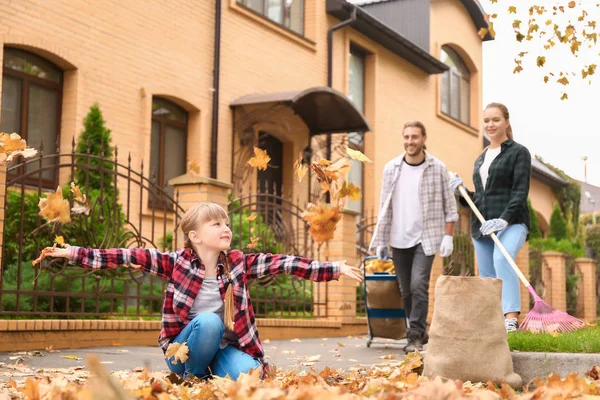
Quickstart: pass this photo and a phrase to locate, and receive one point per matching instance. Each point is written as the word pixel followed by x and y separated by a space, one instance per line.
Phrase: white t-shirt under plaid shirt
pixel 407 216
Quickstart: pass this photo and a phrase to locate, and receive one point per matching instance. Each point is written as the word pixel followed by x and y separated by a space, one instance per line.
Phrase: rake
pixel 542 318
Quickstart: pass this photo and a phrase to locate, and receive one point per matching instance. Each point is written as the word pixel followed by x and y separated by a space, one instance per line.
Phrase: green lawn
pixel 585 340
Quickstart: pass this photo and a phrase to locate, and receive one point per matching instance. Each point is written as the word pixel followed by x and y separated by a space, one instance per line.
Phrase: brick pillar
pixel 555 279
pixel 437 270
pixel 341 295
pixel 522 262
pixel 191 190
pixel 2 202
pixel 586 299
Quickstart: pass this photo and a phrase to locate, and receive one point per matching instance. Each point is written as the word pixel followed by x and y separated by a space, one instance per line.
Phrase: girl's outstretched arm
pixel 262 264
pixel 150 260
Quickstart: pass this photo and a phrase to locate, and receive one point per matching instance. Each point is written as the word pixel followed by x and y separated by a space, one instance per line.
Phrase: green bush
pixel 534 231
pixel 562 246
pixel 592 241
pixel 558 225
pixel 95 137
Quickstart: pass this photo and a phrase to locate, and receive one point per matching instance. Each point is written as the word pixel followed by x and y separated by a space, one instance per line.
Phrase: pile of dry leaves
pixel 398 380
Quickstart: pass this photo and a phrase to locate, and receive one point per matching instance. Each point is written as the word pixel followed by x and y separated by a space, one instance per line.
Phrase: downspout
pixel 214 140
pixel 330 60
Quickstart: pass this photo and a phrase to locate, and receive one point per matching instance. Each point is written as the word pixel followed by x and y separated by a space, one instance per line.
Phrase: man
pixel 416 218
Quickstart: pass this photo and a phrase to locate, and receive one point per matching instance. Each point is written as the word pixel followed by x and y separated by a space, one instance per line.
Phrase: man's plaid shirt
pixel 507 187
pixel 185 274
pixel 438 204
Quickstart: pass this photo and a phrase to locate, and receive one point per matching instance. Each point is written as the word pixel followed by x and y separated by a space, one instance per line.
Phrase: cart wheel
pixel 369 342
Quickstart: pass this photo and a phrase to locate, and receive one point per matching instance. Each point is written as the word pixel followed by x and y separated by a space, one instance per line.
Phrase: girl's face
pixel 494 123
pixel 213 235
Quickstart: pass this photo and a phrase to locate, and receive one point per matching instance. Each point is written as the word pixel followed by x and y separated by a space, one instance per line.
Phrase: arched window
pixel 168 143
pixel 31 103
pixel 456 87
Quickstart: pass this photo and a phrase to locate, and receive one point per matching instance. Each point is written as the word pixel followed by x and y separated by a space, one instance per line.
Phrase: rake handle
pixel 481 219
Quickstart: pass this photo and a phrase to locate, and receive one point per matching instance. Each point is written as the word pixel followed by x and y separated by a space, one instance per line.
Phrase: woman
pixel 501 177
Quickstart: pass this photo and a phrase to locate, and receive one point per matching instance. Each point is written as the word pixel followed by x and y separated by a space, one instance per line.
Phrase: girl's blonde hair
pixel 504 110
pixel 192 220
pixel 198 215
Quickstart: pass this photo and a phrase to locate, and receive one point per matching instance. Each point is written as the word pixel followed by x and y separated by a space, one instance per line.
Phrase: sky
pixel 560 131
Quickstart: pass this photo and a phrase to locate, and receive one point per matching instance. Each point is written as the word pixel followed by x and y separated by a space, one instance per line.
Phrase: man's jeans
pixel 492 263
pixel 413 271
pixel 203 335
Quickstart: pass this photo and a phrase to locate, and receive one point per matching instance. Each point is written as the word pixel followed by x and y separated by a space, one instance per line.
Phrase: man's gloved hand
pixel 382 253
pixel 492 225
pixel 454 183
pixel 447 246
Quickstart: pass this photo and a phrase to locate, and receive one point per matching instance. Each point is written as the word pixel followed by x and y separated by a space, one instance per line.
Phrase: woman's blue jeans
pixel 203 336
pixel 492 263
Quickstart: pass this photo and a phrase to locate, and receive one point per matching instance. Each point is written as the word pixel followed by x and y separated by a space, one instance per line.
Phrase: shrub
pixel 558 225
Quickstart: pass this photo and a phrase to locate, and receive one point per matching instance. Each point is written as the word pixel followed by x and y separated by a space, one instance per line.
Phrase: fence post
pixel 197 189
pixel 2 211
pixel 555 279
pixel 341 294
pixel 586 299
pixel 522 262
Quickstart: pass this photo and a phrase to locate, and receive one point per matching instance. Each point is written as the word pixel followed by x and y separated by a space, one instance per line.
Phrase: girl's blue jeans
pixel 492 263
pixel 203 335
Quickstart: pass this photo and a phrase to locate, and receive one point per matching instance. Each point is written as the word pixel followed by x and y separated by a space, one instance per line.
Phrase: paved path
pixel 340 352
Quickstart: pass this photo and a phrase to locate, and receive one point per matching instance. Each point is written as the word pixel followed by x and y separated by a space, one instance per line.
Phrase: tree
pixel 558 224
pixel 534 230
pixel 95 137
pixel 564 24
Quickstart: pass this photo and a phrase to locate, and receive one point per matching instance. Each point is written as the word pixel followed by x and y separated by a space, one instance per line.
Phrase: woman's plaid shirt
pixel 185 273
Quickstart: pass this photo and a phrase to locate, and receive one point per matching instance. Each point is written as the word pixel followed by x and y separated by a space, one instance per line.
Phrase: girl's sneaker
pixel 511 324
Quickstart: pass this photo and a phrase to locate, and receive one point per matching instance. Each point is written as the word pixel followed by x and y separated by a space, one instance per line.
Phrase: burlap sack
pixel 385 295
pixel 467 338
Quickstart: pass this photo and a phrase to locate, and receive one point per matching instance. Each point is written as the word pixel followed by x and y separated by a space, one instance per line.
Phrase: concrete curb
pixel 531 365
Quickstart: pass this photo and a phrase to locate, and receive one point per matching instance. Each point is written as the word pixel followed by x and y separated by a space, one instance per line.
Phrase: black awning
pixel 324 110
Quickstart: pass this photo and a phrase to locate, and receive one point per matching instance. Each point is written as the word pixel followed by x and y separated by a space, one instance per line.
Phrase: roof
pixel 383 34
pixel 473 7
pixel 585 206
pixel 323 109
pixel 545 174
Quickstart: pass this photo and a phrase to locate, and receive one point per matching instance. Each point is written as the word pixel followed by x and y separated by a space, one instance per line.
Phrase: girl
pixel 207 300
pixel 501 178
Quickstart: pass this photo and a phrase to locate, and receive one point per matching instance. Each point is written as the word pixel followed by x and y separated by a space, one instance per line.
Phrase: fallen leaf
pixel 349 190
pixel 194 168
pixel 179 352
pixel 260 160
pixel 54 208
pixel 253 242
pixel 323 219
pixel 251 217
pixel 60 241
pixel 357 155
pixel 296 340
pixel 43 255
pixel 340 344
pixel 77 195
pixel 71 357
pixel 313 358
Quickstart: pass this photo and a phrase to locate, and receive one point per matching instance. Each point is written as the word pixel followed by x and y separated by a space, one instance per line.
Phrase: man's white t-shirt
pixel 407 222
pixel 490 155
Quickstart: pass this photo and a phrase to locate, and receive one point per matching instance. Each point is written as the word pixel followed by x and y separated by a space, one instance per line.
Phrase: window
pixel 168 145
pixel 356 93
pixel 31 106
pixel 455 87
pixel 289 13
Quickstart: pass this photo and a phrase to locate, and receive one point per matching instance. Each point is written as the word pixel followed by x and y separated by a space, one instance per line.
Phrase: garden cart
pixel 383 302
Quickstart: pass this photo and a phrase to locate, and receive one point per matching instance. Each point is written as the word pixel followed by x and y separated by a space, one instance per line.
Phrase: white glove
pixel 492 225
pixel 447 246
pixel 454 183
pixel 382 253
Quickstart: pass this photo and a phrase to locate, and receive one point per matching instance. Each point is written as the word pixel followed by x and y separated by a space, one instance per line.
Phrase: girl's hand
pixel 351 272
pixel 52 252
